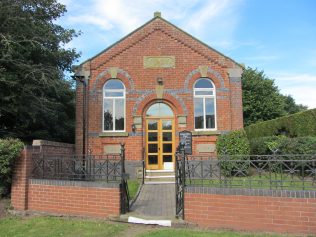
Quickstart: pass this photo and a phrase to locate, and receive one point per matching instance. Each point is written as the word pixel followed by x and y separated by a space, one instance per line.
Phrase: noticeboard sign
pixel 186 139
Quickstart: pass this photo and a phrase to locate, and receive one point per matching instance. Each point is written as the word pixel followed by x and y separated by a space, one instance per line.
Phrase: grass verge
pixel 133 185
pixel 52 226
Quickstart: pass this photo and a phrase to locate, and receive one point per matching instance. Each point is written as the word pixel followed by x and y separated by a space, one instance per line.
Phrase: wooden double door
pixel 160 143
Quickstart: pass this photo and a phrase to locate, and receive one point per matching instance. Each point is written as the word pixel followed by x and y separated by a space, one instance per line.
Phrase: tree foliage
pixel 262 100
pixel 35 99
pixel 10 150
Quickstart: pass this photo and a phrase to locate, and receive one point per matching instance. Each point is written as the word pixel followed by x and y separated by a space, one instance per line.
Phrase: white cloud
pixel 126 15
pixel 301 87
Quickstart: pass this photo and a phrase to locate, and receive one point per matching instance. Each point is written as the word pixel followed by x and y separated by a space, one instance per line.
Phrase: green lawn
pixel 52 227
pixel 264 181
pixel 72 227
pixel 194 233
pixel 133 187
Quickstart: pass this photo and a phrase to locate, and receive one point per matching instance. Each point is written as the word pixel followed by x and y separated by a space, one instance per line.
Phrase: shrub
pixel 296 125
pixel 10 149
pixel 233 143
pixel 283 145
pixel 236 145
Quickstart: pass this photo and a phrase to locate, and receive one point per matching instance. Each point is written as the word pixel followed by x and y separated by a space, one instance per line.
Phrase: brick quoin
pixel 158 38
pixel 252 213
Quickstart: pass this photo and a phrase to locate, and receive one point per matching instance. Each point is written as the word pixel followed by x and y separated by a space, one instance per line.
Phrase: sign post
pixel 186 139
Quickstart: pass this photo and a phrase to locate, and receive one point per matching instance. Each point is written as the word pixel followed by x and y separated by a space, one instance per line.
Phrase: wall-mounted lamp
pixel 160 81
pixel 133 127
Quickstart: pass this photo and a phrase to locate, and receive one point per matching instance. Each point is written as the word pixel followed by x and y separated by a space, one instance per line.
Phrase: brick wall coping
pixel 74 183
pixel 51 143
pixel 253 192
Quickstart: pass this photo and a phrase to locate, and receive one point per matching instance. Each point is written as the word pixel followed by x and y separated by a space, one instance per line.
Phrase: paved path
pixel 156 200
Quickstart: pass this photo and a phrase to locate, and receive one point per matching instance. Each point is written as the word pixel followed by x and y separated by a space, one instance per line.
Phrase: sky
pixel 276 36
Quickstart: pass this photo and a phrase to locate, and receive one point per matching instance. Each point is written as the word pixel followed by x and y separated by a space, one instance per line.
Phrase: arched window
pixel 204 105
pixel 159 110
pixel 114 106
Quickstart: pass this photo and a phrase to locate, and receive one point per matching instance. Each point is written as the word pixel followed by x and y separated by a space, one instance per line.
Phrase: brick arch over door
pixel 176 104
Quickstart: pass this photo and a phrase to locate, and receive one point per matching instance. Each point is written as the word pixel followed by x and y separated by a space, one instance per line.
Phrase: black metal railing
pixel 78 167
pixel 105 168
pixel 285 172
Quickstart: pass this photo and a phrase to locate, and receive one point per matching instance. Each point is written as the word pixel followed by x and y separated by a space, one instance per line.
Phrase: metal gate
pixel 180 180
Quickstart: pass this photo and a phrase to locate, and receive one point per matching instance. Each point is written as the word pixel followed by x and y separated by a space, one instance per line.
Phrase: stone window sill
pixel 205 133
pixel 113 134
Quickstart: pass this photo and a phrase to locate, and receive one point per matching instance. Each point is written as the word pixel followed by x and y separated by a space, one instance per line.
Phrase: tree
pixel 291 107
pixel 261 98
pixel 35 99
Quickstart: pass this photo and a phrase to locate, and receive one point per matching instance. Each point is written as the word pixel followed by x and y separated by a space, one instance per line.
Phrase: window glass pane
pixel 197 92
pixel 153 159
pixel 159 109
pixel 198 113
pixel 114 93
pixel 152 148
pixel 167 148
pixel 167 158
pixel 167 125
pixel 108 114
pixel 203 83
pixel 152 137
pixel 167 136
pixel 210 113
pixel 114 84
pixel 152 125
pixel 119 114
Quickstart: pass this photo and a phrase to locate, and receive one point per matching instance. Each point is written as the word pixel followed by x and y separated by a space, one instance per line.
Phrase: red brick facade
pixel 252 213
pixel 125 61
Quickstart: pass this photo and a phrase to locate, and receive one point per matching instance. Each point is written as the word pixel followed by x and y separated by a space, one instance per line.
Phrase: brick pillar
pixel 236 98
pixel 20 181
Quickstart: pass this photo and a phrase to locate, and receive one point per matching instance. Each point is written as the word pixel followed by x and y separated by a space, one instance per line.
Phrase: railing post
pixel 182 152
pixel 122 159
pixel 123 185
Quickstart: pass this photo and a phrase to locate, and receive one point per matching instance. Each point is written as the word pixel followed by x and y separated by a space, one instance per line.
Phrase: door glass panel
pixel 167 148
pixel 152 137
pixel 152 148
pixel 152 125
pixel 167 136
pixel 166 125
pixel 152 159
pixel 167 158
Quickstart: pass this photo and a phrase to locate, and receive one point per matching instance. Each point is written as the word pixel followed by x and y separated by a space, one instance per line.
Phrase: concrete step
pixel 154 173
pixel 159 182
pixel 160 179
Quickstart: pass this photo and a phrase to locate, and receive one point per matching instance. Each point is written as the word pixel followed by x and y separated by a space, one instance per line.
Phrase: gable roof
pixel 157 16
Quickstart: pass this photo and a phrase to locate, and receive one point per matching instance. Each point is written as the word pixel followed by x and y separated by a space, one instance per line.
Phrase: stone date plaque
pixel 159 62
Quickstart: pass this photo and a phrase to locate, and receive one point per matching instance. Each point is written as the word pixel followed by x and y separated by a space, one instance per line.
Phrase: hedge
pixel 296 125
pixel 10 149
pixel 283 145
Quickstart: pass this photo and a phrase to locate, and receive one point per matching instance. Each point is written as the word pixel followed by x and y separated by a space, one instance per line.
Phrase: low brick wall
pixel 94 199
pixel 74 198
pixel 252 210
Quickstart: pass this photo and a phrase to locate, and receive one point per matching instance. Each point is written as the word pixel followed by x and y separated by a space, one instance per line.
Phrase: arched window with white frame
pixel 113 106
pixel 204 105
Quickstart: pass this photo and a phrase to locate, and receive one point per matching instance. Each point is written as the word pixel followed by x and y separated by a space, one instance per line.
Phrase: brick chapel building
pixel 149 86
